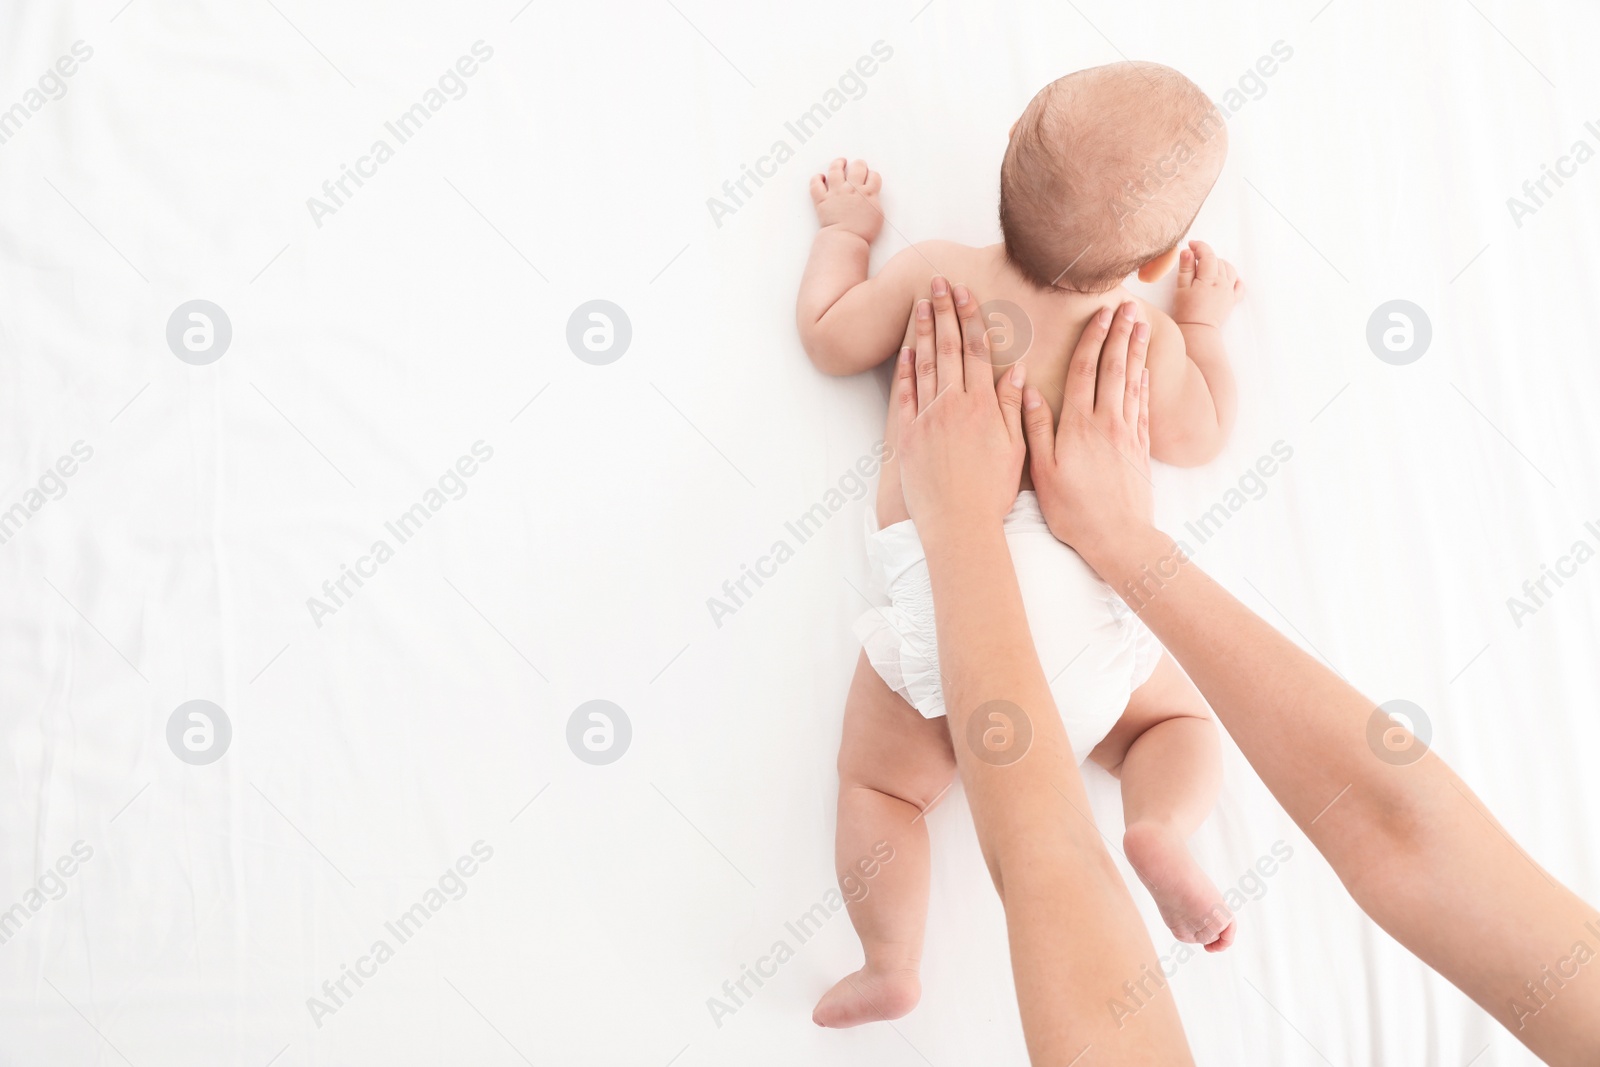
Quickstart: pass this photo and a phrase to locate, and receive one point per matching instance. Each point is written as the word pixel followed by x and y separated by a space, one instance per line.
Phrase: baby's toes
pixel 1224 939
pixel 1208 928
pixel 1210 925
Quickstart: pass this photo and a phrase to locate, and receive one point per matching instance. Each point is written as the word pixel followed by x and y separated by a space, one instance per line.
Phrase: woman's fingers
pixel 946 336
pixel 1144 413
pixel 1039 425
pixel 1138 352
pixel 1083 369
pixel 1113 368
pixel 905 385
pixel 926 369
pixel 1009 393
pixel 978 367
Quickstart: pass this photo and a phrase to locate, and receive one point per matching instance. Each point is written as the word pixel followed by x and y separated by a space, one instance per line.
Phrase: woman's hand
pixel 1092 473
pixel 961 440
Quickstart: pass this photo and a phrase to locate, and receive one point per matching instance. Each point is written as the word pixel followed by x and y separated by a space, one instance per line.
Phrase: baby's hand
pixel 847 197
pixel 1208 287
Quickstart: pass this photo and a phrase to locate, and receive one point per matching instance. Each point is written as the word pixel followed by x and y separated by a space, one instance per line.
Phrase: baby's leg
pixel 893 766
pixel 1166 752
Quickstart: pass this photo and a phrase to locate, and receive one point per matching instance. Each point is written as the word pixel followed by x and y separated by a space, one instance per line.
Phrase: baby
pixel 1105 172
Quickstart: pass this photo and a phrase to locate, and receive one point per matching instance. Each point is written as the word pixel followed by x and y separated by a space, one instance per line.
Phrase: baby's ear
pixel 1157 268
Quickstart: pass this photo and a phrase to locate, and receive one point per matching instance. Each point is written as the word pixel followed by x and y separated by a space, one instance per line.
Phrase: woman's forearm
pixel 1416 849
pixel 1076 938
pixel 1078 945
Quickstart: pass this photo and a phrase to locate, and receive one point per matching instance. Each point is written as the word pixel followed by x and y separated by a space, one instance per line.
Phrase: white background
pixel 370 352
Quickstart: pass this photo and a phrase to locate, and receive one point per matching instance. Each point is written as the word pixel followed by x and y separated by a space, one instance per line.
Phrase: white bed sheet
pixel 375 345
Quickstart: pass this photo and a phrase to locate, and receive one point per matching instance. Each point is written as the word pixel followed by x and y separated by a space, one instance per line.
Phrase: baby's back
pixel 1025 321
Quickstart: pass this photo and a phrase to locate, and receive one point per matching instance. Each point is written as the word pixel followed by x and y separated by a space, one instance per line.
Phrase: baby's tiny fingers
pixel 1185 268
pixel 819 188
pixel 836 173
pixel 856 172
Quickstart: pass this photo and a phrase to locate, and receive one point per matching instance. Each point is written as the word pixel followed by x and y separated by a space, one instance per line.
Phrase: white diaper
pixel 1093 649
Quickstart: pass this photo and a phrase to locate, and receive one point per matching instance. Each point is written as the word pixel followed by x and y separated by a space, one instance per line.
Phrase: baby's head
pixel 1104 174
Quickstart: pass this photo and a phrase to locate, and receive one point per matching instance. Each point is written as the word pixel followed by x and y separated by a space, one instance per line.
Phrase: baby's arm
pixel 849 322
pixel 1192 396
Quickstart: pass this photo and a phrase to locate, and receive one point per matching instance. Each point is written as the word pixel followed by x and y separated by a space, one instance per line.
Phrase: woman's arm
pixel 1415 848
pixel 1077 942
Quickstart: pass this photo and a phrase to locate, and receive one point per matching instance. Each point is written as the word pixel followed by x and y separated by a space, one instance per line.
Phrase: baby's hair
pixel 1105 172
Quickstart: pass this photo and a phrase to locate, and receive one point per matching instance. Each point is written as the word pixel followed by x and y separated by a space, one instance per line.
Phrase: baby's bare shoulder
pixel 1166 340
pixel 892 292
pixel 918 263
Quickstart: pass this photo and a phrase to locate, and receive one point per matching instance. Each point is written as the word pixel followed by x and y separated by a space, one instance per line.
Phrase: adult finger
pixel 1114 360
pixel 927 373
pixel 1039 425
pixel 1084 365
pixel 1009 393
pixel 905 385
pixel 1138 352
pixel 946 336
pixel 977 364
pixel 1144 413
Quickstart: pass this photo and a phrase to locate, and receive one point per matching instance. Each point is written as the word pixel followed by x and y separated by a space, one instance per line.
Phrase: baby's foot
pixel 1190 904
pixel 867 997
